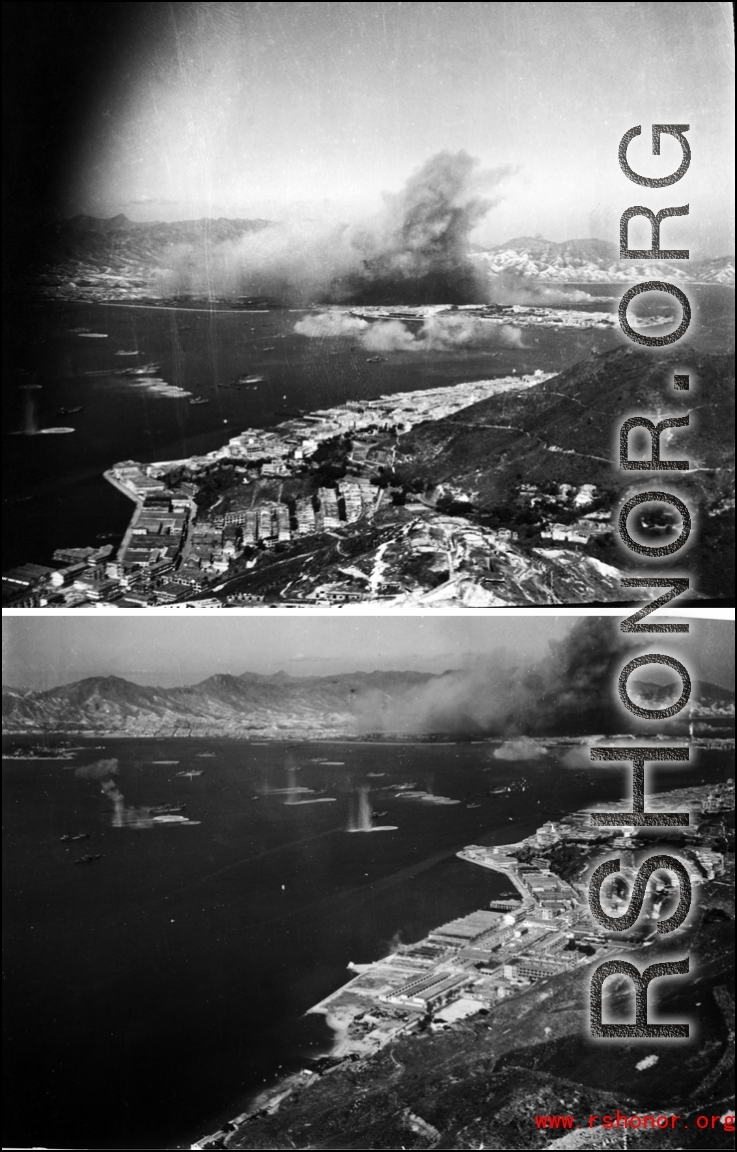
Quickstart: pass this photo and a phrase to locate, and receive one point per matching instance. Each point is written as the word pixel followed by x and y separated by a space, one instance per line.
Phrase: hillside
pixel 220 705
pixel 88 258
pixel 482 1083
pixel 591 261
pixel 485 700
pixel 565 431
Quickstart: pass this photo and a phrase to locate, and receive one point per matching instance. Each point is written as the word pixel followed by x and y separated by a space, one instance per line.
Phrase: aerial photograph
pixel 319 882
pixel 320 304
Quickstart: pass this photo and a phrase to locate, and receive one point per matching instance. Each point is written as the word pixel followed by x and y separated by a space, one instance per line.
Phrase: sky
pixel 293 110
pixel 44 651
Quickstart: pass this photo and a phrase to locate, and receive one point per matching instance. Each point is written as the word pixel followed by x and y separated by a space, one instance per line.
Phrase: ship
pixel 251 379
pixel 199 400
pixel 87 859
pixel 191 773
pixel 144 370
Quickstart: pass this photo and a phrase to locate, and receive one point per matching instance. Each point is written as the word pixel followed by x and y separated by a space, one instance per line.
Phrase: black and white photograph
pixel 349 882
pixel 348 303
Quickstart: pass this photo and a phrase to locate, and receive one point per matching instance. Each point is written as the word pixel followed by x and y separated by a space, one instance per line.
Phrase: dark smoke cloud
pixel 414 251
pixel 419 253
pixel 572 691
pixel 100 770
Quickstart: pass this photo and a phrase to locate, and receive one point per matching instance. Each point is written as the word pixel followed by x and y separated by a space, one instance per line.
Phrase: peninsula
pixel 464 1031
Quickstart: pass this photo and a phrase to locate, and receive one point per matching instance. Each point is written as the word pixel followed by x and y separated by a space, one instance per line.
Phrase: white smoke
pixel 438 332
pixel 100 770
pixel 521 749
pixel 415 248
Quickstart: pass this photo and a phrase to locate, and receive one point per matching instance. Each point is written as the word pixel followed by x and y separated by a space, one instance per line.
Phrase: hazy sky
pixel 281 109
pixel 41 652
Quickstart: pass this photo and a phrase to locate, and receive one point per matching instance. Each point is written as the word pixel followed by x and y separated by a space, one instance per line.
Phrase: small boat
pixel 199 400
pixel 251 379
pixel 191 773
pixel 69 411
pixel 88 859
pixel 473 805
pixel 80 836
pixel 374 359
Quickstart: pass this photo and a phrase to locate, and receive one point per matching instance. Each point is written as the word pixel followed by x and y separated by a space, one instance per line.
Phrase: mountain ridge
pixel 529 258
pixel 343 705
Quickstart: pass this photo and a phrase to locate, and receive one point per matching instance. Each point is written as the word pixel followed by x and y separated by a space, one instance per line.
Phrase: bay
pixel 56 495
pixel 151 993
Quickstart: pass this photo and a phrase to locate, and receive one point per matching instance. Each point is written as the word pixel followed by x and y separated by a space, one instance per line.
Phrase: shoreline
pixel 265 741
pixel 270 1099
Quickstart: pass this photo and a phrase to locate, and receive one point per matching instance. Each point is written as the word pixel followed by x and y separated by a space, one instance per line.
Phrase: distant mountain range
pixel 221 705
pixel 121 245
pixel 118 243
pixel 589 261
pixel 278 707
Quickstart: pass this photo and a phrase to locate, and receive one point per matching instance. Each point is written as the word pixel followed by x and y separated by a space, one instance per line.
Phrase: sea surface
pixel 151 993
pixel 55 493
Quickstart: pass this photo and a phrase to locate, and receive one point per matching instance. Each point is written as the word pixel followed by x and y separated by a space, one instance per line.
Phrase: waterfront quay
pixel 178 546
pixel 464 969
pixel 469 965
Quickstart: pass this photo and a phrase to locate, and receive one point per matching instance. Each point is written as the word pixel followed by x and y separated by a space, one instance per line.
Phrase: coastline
pixel 269 1100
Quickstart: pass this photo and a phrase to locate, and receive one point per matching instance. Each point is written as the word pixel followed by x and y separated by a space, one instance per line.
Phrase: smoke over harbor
pixel 435 333
pixel 100 770
pixel 563 683
pixel 570 691
pixel 414 250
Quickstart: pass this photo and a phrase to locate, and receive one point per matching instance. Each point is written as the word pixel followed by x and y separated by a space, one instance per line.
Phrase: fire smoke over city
pixel 571 691
pixel 414 250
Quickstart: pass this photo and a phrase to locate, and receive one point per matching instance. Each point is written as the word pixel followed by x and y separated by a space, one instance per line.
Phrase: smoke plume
pixel 124 816
pixel 512 287
pixel 572 691
pixel 414 251
pixel 419 251
pixel 437 333
pixel 522 749
pixel 100 770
